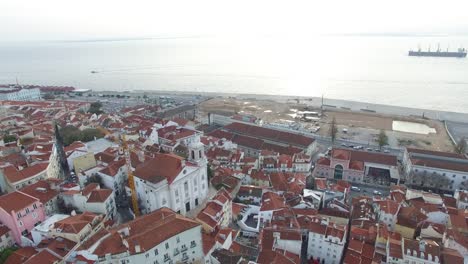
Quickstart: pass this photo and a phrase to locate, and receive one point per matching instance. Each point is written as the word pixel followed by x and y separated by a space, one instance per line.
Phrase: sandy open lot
pixel 362 127
pixel 365 127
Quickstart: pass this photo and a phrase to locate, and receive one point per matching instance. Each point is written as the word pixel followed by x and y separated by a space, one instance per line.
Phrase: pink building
pixel 21 213
pixel 359 166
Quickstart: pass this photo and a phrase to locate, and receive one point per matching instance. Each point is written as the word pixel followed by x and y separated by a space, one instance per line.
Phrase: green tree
pixel 95 178
pixel 209 173
pixel 382 139
pixel 71 134
pixel 89 134
pixel 5 253
pixel 95 108
pixel 49 96
pixel 461 147
pixel 9 138
pixel 333 130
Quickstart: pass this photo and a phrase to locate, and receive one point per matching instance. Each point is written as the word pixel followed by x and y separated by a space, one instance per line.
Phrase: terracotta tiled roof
pixel 59 246
pixel 324 161
pixel 3 230
pixel 16 201
pixel 422 252
pixel 451 256
pixel 270 134
pixel 272 201
pixel 41 190
pixel 389 206
pixel 99 196
pixel 113 167
pixel 209 242
pixel 146 231
pixel 74 224
pixel 364 156
pixel 13 175
pixel 89 188
pixel 21 255
pixel 163 166
pixel 410 217
pixel 446 164
pixel 435 153
pixel 274 257
pixel 43 257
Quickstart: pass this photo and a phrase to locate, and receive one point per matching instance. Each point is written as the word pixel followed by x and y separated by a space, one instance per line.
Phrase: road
pixel 368 191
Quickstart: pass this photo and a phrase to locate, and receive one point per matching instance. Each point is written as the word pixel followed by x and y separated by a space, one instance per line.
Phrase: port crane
pixel 131 180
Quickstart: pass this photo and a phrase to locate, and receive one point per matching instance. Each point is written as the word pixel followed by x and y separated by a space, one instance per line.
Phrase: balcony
pixel 184 248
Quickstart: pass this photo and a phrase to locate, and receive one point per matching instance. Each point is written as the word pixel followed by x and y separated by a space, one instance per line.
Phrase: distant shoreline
pixel 329 104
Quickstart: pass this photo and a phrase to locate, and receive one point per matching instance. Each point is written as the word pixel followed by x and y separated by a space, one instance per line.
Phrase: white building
pixel 453 167
pixel 159 237
pixel 114 175
pixel 302 162
pixel 18 93
pixel 17 179
pixel 420 252
pixel 92 199
pixel 168 180
pixel 326 239
pixel 462 199
pixel 387 212
pixel 6 239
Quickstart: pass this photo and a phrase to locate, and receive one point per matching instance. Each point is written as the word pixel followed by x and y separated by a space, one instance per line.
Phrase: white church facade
pixel 170 181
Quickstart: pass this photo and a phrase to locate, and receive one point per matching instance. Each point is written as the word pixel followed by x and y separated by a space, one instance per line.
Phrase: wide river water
pixel 371 69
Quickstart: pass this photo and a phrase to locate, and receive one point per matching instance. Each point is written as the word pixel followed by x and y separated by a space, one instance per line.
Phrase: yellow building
pixel 84 162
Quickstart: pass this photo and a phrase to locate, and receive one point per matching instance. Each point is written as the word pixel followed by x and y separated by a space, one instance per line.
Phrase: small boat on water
pixel 94 72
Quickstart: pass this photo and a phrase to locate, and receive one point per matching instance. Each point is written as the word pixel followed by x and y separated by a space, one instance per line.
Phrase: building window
pixel 156 252
pixel 34 215
pixel 166 257
pixel 147 255
pixel 34 206
pixel 19 215
pixel 167 245
pixel 192 244
pixel 177 193
pixel 178 239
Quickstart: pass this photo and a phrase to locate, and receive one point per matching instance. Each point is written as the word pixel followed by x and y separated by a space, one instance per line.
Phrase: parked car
pixel 354 188
pixel 377 192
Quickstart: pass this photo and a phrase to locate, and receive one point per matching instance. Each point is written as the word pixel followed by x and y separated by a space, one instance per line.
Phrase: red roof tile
pixel 40 190
pixel 16 201
pixel 99 196
pixel 163 166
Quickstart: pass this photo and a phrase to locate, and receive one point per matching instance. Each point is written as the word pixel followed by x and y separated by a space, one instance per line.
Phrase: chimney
pixel 429 257
pixel 422 246
pixel 137 248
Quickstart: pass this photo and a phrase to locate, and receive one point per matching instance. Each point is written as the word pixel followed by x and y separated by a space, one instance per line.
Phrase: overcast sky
pixel 91 19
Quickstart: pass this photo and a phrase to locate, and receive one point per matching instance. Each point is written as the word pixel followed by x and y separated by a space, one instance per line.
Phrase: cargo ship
pixel 460 53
